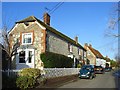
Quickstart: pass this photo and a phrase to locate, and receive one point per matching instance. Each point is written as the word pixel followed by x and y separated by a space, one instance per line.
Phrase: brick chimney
pixel 76 39
pixel 85 45
pixel 106 56
pixel 46 18
pixel 90 45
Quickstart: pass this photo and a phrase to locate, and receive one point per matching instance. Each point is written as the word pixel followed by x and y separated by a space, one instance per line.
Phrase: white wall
pixel 101 62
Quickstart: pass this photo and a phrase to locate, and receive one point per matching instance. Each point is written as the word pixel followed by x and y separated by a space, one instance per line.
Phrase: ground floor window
pixel 22 57
pixel 26 56
pixel 30 57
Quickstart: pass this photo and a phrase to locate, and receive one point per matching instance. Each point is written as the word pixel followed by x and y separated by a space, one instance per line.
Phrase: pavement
pixel 58 81
pixel 106 80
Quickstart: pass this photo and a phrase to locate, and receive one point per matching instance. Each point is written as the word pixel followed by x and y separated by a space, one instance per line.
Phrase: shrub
pixel 28 78
pixel 78 65
pixel 52 60
pixel 30 72
pixel 25 82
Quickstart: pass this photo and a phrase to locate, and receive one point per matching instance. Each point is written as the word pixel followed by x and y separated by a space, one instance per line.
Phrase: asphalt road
pixel 106 80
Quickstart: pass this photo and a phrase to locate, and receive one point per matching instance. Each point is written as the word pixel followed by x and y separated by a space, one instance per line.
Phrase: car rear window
pixel 98 66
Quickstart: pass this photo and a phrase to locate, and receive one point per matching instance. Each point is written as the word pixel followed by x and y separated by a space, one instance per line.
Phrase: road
pixel 106 80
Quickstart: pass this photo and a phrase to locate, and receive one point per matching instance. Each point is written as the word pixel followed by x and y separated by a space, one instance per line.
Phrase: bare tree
pixel 6 43
pixel 113 22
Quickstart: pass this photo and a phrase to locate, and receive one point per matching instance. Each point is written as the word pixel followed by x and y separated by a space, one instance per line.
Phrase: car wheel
pixel 79 77
pixel 91 77
pixel 94 75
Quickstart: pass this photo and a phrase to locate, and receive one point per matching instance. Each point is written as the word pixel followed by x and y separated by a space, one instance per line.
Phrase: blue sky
pixel 86 20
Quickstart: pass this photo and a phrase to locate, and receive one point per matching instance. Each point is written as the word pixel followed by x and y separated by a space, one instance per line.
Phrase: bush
pixel 25 82
pixel 28 78
pixel 79 66
pixel 52 60
pixel 30 72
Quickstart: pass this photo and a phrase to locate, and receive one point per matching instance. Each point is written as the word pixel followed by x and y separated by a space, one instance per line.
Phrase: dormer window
pixel 27 38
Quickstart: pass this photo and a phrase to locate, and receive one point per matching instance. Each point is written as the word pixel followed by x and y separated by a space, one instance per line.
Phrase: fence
pixel 49 72
pixel 57 72
pixel 10 72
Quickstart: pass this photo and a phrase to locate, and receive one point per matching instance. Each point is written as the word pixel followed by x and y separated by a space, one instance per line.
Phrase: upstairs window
pixel 70 47
pixel 88 53
pixel 79 51
pixel 27 38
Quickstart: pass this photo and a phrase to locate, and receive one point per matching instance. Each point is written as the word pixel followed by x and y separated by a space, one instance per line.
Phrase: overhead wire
pixel 50 11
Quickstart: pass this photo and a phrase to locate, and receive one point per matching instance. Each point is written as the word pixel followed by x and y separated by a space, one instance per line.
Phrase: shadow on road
pixel 117 79
pixel 117 83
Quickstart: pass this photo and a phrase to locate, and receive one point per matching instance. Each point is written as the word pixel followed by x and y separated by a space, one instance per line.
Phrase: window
pixel 79 51
pixel 26 56
pixel 30 57
pixel 27 38
pixel 22 57
pixel 84 54
pixel 70 47
pixel 88 53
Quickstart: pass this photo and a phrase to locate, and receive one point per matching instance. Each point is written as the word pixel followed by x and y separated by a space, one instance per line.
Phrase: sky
pixel 87 20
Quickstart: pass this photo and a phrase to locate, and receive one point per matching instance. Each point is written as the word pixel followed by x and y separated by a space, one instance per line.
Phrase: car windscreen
pixel 86 67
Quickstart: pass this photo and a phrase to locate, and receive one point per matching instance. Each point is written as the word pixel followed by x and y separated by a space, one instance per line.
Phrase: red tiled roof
pixel 95 52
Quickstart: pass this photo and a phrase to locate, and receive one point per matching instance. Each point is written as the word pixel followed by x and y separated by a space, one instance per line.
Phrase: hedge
pixel 52 60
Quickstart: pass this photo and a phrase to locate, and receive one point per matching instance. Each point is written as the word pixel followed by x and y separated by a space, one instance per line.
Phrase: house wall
pixel 100 62
pixel 91 57
pixel 42 40
pixel 38 39
pixel 58 45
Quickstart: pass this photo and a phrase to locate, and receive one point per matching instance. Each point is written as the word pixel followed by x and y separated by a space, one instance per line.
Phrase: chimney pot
pixel 90 45
pixel 106 56
pixel 85 45
pixel 46 18
pixel 76 39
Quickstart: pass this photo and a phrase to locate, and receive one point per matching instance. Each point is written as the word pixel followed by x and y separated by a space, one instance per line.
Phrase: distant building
pixel 94 56
pixel 36 37
pixel 107 61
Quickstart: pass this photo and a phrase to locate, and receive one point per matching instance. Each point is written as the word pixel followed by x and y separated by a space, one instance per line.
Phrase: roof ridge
pixel 32 18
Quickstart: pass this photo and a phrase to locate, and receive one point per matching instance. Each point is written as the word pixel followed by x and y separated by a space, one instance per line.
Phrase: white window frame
pixel 26 56
pixel 23 38
pixel 71 48
pixel 79 51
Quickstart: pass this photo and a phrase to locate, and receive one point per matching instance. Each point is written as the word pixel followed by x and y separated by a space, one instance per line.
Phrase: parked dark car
pixel 99 70
pixel 87 71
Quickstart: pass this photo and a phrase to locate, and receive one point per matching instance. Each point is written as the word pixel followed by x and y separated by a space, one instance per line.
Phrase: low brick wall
pixel 58 72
